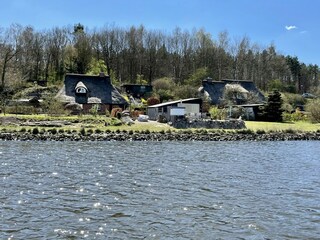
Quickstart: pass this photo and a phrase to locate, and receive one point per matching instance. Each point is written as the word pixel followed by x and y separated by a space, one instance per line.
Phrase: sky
pixel 291 25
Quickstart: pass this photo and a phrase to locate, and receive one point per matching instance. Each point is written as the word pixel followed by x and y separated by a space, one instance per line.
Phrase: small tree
pixel 94 110
pixel 152 101
pixel 217 113
pixel 273 110
pixel 314 110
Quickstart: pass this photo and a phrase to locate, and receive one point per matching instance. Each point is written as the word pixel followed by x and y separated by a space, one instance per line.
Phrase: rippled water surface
pixel 160 190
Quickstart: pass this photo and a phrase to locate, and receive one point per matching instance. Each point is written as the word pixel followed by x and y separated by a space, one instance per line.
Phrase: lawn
pixel 103 123
pixel 275 126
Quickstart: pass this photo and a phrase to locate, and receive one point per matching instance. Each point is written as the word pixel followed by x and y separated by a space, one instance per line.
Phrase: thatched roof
pixel 215 89
pixel 99 90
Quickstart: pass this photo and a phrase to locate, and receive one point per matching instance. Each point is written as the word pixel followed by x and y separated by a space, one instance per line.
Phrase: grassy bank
pixel 103 123
pixel 274 126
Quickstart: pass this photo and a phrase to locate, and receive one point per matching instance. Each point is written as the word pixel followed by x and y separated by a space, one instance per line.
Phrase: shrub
pixel 314 110
pixel 260 131
pixel 52 106
pixel 115 111
pixel 98 131
pixel 245 131
pixel 53 131
pixel 23 130
pixel 152 101
pixel 22 110
pixel 35 131
pixel 82 131
pixel 289 131
pixel 294 117
pixel 217 113
pixel 94 110
pixel 147 131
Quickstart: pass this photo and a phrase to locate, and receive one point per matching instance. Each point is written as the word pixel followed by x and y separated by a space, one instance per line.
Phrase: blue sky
pixel 291 25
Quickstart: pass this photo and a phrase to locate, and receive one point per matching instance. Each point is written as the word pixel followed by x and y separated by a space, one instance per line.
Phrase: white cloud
pixel 291 27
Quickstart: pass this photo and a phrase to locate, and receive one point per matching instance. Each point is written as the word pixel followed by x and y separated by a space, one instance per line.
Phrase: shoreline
pixel 158 136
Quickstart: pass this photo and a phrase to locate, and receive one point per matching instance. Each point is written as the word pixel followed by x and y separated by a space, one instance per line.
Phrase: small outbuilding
pixel 137 90
pixel 90 90
pixel 168 110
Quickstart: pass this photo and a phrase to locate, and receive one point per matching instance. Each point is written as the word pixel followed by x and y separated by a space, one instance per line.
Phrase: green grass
pixel 98 122
pixel 275 126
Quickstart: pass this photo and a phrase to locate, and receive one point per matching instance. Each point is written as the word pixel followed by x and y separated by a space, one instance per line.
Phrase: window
pixel 81 90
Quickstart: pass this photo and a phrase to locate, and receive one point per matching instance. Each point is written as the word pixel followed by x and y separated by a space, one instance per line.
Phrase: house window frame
pixel 81 90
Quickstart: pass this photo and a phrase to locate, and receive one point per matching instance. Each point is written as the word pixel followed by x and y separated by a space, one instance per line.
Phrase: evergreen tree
pixel 273 111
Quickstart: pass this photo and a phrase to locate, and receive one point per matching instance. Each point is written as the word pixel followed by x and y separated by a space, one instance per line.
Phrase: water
pixel 160 190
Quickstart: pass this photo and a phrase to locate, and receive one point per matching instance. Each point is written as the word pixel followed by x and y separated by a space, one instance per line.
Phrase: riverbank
pixel 241 135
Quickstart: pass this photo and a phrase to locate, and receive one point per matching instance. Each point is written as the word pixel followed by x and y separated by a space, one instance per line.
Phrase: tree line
pixel 136 54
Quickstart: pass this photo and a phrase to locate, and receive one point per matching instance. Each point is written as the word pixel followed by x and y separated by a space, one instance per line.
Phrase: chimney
pixel 102 74
pixel 209 79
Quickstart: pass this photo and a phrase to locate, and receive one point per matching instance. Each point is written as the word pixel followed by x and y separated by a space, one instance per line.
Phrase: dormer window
pixel 81 88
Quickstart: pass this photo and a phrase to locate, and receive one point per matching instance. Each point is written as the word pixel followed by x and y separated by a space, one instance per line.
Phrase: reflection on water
pixel 159 190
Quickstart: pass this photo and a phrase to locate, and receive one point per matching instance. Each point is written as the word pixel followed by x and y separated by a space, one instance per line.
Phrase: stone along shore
pixel 239 135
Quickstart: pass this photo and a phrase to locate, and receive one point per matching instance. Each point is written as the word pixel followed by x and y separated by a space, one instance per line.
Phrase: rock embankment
pixel 160 136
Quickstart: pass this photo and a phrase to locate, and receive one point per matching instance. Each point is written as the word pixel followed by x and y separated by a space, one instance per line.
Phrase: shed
pixel 137 90
pixel 193 106
pixel 90 90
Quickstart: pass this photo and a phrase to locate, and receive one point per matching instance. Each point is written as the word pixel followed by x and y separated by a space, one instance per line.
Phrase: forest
pixel 139 55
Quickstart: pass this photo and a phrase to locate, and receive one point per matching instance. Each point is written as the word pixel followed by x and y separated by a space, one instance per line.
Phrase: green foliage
pixel 294 100
pixel 21 109
pixel 94 110
pixel 313 108
pixel 35 130
pixel 163 87
pixel 196 78
pixel 294 117
pixel 140 79
pixel 53 106
pixel 82 131
pixel 165 95
pixel 185 91
pixel 260 131
pixel 272 111
pixel 275 84
pixel 96 67
pixel 53 131
pixel 217 113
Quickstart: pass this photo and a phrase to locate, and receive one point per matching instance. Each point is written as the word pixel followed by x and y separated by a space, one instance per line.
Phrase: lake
pixel 159 190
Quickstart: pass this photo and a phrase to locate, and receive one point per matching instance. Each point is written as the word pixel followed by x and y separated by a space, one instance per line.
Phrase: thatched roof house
pixel 214 89
pixel 88 90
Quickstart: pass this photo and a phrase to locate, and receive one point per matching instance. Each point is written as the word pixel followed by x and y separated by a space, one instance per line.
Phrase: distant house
pixel 190 106
pixel 136 90
pixel 87 91
pixel 214 90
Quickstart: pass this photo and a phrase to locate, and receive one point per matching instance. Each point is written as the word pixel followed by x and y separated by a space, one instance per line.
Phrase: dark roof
pixel 137 89
pixel 100 90
pixel 215 89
